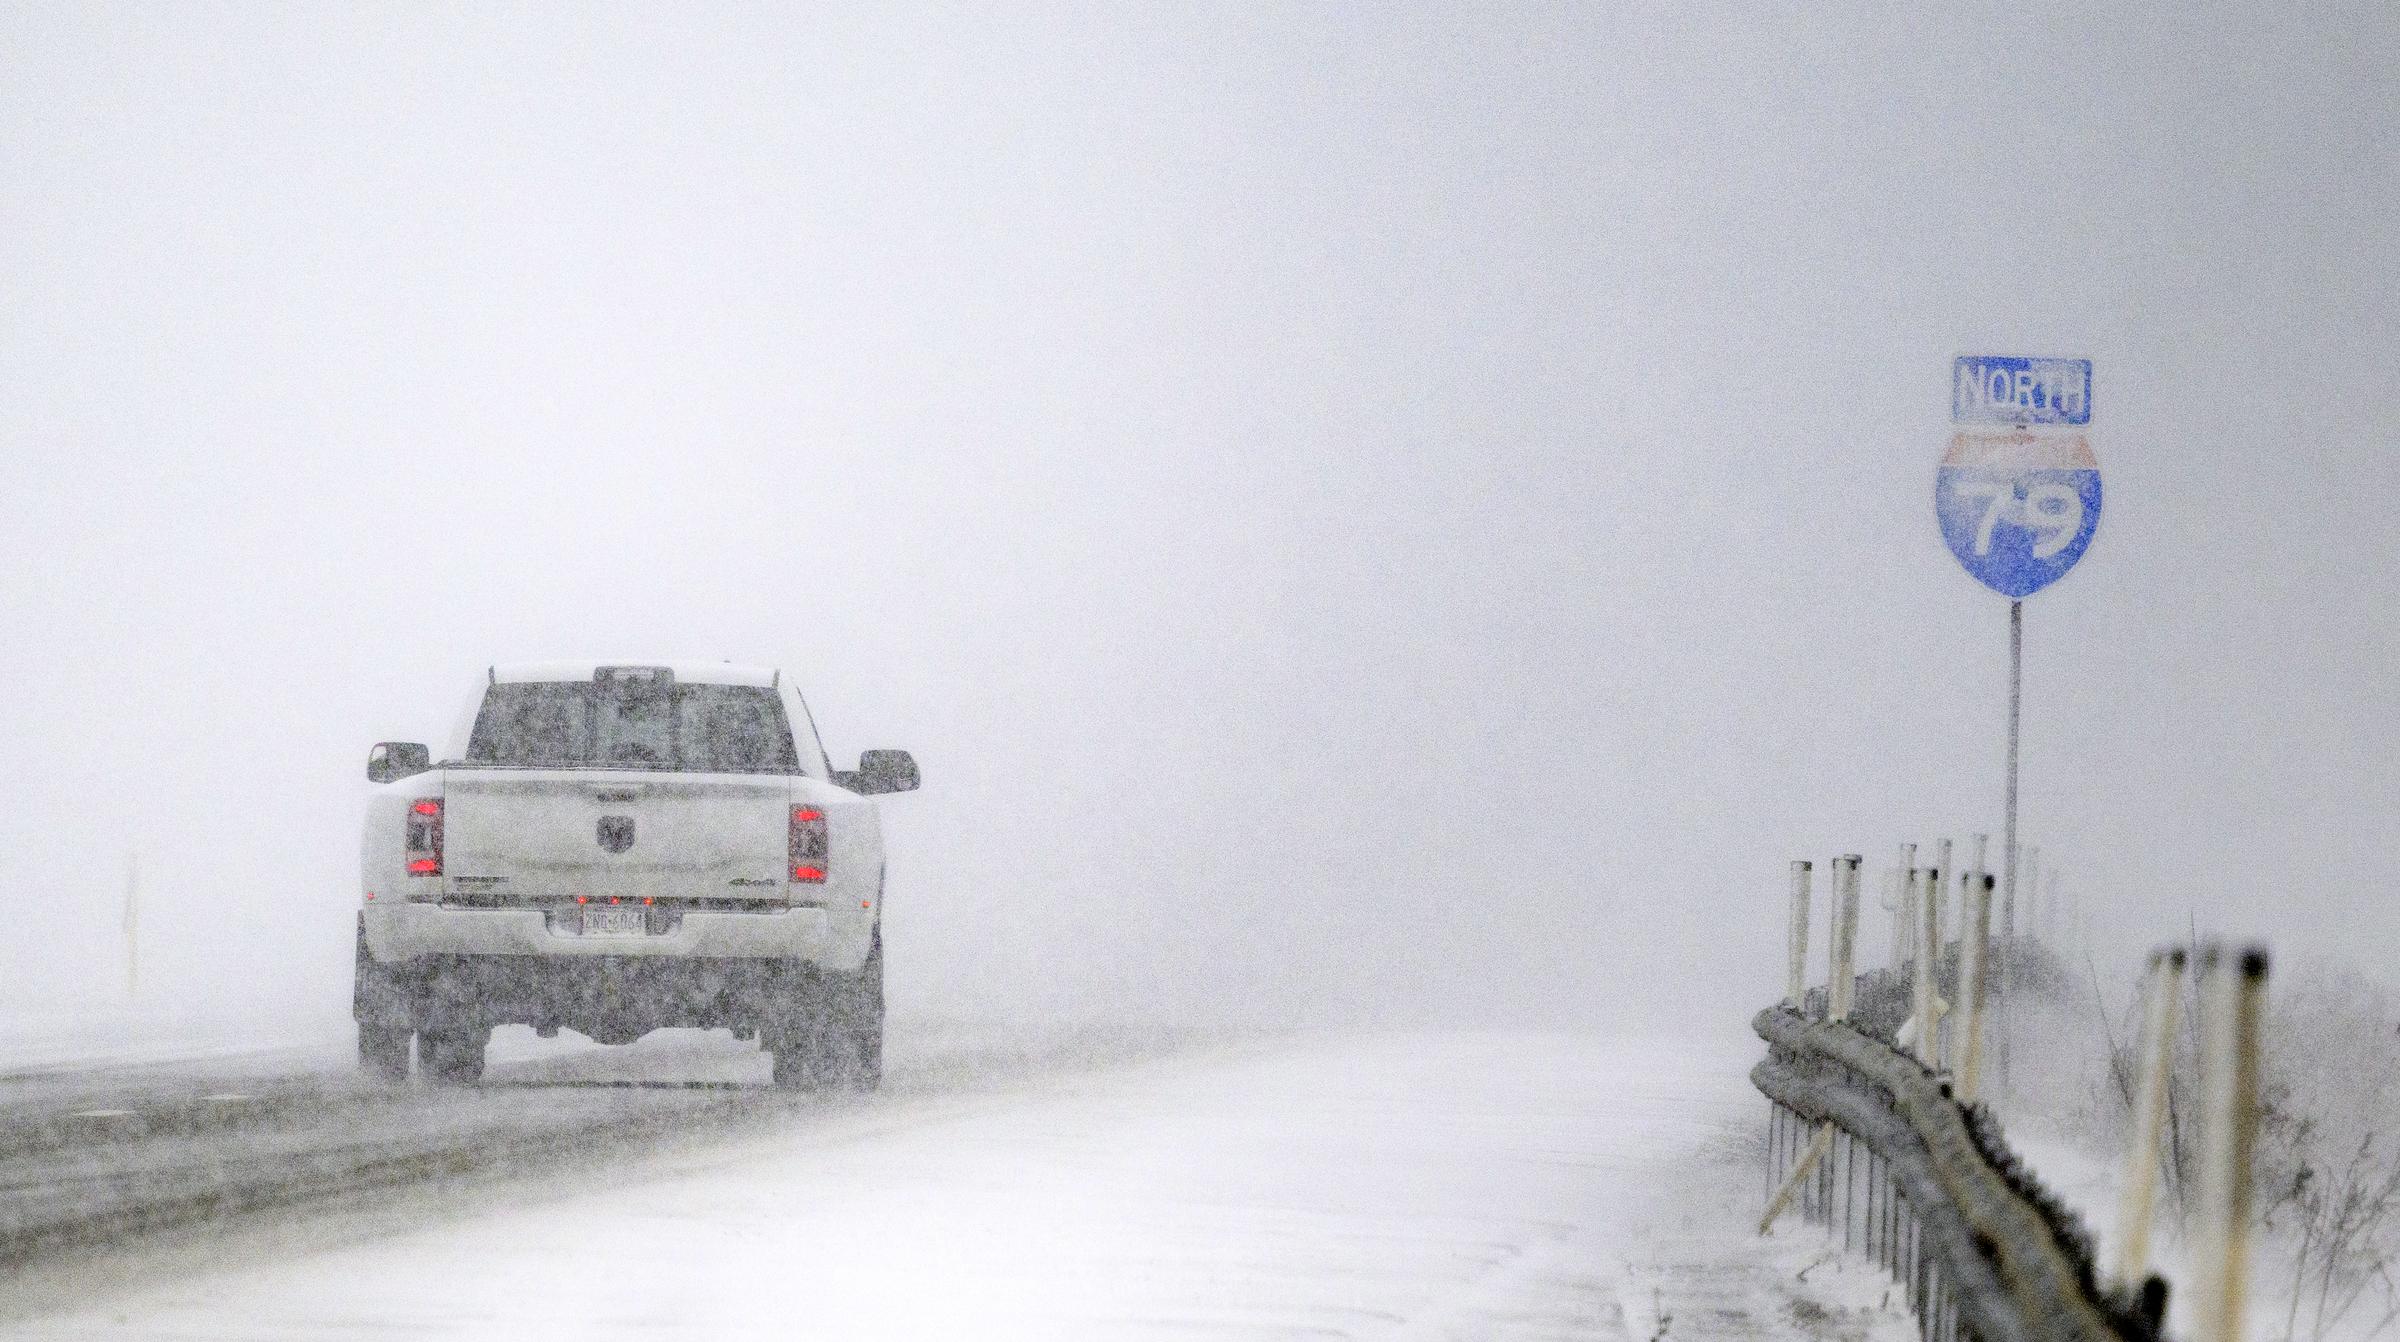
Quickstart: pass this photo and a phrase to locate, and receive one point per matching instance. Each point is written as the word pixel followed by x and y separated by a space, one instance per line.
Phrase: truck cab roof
pixel 686 672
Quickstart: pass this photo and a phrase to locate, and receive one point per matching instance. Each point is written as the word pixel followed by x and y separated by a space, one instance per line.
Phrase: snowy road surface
pixel 134 1141
pixel 1417 1186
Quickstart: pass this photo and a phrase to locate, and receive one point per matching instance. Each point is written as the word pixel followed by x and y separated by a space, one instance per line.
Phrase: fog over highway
pixel 1385 528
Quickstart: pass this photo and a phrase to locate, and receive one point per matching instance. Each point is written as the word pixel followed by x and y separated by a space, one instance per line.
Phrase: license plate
pixel 613 922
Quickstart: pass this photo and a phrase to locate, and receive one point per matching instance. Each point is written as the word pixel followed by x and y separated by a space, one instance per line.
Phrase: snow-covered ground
pixel 1386 1186
pixel 38 1042
pixel 2061 1117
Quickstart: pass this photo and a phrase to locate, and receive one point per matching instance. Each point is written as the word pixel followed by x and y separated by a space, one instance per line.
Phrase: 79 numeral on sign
pixel 2052 512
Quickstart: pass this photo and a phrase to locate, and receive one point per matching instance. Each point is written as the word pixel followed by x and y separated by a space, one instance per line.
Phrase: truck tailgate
pixel 548 835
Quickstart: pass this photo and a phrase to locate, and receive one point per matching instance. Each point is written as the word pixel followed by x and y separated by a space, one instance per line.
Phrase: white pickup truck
pixel 614 848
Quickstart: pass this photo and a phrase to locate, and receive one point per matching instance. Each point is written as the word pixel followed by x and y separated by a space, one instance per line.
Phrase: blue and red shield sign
pixel 2018 508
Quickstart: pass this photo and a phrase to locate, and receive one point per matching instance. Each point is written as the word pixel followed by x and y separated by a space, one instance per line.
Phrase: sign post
pixel 2018 499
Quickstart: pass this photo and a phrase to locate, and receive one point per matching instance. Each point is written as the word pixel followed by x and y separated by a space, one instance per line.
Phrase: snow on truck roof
pixel 687 673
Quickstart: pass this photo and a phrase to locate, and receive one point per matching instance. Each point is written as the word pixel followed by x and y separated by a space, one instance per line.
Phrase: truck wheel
pixel 383 1050
pixel 452 1057
pixel 801 1056
pixel 831 1033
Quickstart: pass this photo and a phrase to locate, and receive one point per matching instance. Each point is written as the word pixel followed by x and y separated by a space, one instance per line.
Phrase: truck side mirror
pixel 880 771
pixel 391 761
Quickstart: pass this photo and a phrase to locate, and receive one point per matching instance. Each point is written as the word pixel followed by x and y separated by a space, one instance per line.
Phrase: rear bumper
pixel 826 939
pixel 613 999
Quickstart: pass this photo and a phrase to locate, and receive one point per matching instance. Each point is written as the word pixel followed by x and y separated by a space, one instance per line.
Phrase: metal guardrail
pixel 1928 1188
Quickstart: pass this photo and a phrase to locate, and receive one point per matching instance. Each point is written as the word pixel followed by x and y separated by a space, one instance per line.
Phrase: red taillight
pixel 810 844
pixel 424 841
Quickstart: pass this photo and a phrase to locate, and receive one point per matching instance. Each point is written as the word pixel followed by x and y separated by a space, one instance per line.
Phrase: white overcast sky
pixel 1356 509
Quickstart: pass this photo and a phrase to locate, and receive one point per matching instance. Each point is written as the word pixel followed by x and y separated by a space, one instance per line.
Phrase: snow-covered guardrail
pixel 1925 1185
pixel 1877 1131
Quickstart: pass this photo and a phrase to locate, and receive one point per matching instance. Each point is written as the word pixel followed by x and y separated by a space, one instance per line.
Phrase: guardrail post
pixel 1849 1145
pixel 1933 917
pixel 1870 1241
pixel 1911 939
pixel 1843 989
pixel 1783 1148
pixel 2008 924
pixel 1904 917
pixel 2232 990
pixel 1941 863
pixel 1899 1242
pixel 1972 938
pixel 1940 896
pixel 1954 1020
pixel 1925 1028
pixel 1882 1184
pixel 1901 1272
pixel 1999 971
pixel 2162 992
pixel 1795 992
pixel 1825 1179
pixel 1895 1234
pixel 1933 1299
pixel 1980 870
pixel 1916 1262
pixel 1879 1206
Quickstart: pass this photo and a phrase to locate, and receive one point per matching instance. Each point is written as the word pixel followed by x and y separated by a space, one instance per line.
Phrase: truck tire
pixel 383 1050
pixel 802 1061
pixel 452 1057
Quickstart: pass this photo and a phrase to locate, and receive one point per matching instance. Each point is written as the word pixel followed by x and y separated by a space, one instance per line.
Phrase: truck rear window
pixel 577 724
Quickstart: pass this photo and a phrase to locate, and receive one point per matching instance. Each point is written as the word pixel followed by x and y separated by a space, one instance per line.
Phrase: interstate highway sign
pixel 2018 508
